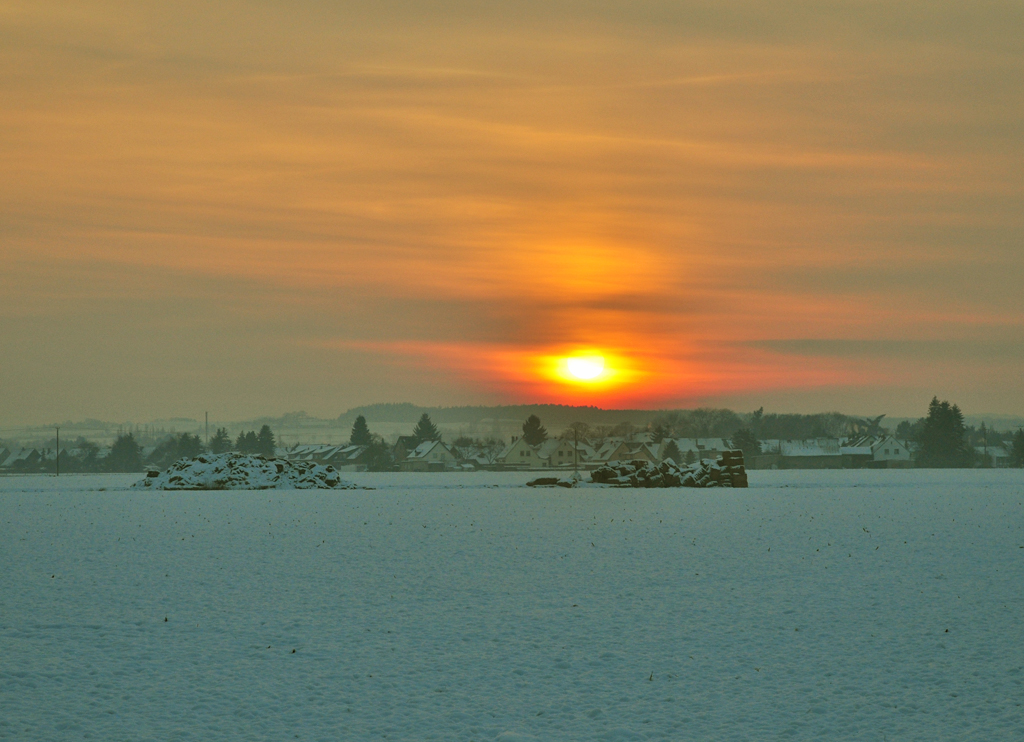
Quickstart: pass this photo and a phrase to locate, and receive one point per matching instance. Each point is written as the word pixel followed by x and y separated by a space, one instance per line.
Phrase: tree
pixel 175 447
pixel 246 442
pixel 756 417
pixel 625 429
pixel 425 430
pixel 745 440
pixel 265 443
pixel 672 452
pixel 88 453
pixel 691 457
pixel 943 438
pixel 1017 452
pixel 378 456
pixel 576 431
pixel 221 441
pixel 533 432
pixel 189 446
pixel 125 454
pixel 909 431
pixel 360 435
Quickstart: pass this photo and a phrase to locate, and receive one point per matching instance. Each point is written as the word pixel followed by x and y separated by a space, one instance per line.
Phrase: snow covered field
pixel 813 606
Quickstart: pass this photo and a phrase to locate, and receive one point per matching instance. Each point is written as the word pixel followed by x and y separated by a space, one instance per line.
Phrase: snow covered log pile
pixel 570 481
pixel 727 471
pixel 234 471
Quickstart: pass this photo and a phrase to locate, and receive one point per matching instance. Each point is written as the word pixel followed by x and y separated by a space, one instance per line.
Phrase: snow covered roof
pixel 698 444
pixel 856 450
pixel 511 446
pixel 548 447
pixel 816 447
pixel 421 451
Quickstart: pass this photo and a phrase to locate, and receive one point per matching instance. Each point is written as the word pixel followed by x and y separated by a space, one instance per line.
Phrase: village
pixel 866 452
pixel 577 448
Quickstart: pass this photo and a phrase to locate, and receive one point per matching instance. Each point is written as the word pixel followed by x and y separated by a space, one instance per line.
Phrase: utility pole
pixel 576 450
pixel 207 429
pixel 58 449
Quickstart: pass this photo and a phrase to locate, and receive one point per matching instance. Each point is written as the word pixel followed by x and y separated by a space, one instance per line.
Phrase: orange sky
pixel 250 208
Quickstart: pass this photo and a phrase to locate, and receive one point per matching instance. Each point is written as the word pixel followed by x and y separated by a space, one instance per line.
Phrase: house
pixel 695 448
pixel 856 455
pixel 474 457
pixel 608 448
pixel 626 451
pixel 519 453
pixel 348 458
pixel 890 453
pixel 405 445
pixel 561 452
pixel 24 458
pixel 996 456
pixel 876 452
pixel 315 453
pixel 818 453
pixel 429 456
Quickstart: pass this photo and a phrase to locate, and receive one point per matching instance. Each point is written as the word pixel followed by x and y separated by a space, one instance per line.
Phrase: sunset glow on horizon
pixel 256 208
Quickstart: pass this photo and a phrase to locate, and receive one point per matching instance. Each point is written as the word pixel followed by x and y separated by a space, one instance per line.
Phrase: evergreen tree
pixel 659 432
pixel 221 441
pixel 125 454
pixel 745 440
pixel 1017 452
pixel 672 452
pixel 247 442
pixel 943 437
pixel 88 455
pixel 175 447
pixel 378 456
pixel 189 446
pixel 265 443
pixel 360 433
pixel 533 432
pixel 691 457
pixel 425 430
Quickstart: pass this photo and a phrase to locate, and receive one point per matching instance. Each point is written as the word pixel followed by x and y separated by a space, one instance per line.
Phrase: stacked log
pixel 727 471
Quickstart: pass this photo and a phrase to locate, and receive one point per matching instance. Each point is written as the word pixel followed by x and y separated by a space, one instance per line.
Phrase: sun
pixel 585 368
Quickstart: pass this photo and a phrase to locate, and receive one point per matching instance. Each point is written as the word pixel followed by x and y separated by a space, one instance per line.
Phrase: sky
pixel 258 207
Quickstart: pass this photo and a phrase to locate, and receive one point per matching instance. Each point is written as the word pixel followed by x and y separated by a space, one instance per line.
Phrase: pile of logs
pixel 727 471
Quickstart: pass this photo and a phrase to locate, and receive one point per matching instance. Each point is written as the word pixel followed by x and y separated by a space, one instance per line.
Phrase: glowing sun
pixel 585 368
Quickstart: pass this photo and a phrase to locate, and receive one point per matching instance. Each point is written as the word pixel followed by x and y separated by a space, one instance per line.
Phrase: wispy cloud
pixel 425 199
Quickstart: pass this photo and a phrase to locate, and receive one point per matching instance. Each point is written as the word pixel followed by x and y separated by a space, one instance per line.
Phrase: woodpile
pixel 727 471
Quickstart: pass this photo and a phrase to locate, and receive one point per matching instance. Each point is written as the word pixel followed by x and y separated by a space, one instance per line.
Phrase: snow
pixel 233 471
pixel 813 605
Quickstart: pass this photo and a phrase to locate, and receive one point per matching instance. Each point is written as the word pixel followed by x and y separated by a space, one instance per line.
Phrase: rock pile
pixel 233 471
pixel 727 471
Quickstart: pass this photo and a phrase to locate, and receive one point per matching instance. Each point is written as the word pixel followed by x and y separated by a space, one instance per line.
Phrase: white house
pixel 519 453
pixel 699 448
pixel 429 456
pixel 561 452
pixel 875 451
